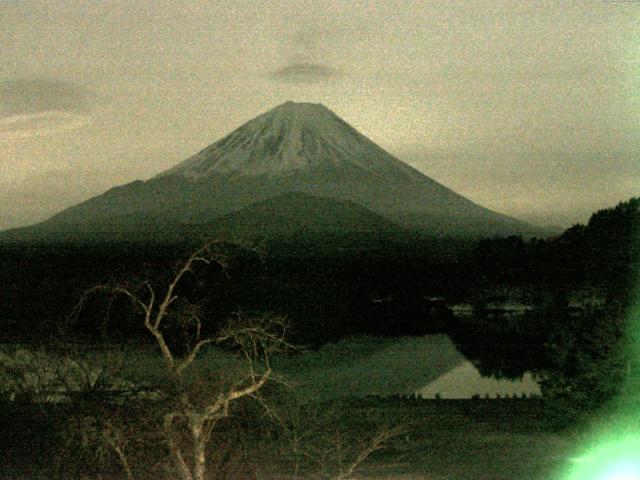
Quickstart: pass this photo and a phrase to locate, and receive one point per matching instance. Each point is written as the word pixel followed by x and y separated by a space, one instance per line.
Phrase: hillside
pixel 303 216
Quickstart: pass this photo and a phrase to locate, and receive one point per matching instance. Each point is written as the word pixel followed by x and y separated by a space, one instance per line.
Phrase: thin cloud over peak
pixel 305 72
pixel 307 56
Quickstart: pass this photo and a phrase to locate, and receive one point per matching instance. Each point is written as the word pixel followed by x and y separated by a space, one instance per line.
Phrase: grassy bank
pixel 454 440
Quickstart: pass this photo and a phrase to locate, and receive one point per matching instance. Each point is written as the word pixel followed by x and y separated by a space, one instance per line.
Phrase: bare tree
pixel 321 447
pixel 192 405
pixel 196 411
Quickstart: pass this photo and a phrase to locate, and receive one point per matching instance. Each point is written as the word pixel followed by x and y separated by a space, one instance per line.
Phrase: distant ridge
pixel 294 147
pixel 302 215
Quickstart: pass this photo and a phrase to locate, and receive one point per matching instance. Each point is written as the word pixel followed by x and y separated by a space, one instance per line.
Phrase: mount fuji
pixel 294 148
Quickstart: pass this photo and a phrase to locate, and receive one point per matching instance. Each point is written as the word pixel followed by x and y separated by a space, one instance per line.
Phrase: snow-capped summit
pixel 291 137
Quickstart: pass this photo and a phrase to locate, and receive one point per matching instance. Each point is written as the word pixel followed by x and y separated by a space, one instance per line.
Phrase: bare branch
pixel 223 400
pixel 197 257
pixel 188 360
pixel 251 389
pixel 376 443
pixel 183 469
pixel 115 441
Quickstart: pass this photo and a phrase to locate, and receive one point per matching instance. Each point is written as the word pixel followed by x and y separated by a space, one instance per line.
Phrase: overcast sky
pixel 531 108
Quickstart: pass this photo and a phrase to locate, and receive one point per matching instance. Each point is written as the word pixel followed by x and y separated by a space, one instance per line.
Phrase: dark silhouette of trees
pixel 579 353
pixel 605 253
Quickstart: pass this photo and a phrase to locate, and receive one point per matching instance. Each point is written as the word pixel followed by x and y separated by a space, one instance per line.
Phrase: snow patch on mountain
pixel 291 137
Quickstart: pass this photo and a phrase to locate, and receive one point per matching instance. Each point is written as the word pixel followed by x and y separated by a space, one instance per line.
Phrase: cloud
pixel 41 106
pixel 305 72
pixel 40 123
pixel 307 53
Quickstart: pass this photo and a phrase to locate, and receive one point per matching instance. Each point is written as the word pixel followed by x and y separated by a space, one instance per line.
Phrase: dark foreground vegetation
pixel 52 294
pixel 462 440
pixel 332 287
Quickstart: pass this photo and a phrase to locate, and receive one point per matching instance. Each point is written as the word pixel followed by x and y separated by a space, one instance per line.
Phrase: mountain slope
pixel 295 147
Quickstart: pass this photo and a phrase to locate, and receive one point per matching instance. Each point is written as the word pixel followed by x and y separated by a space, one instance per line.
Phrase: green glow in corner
pixel 617 460
pixel 613 453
